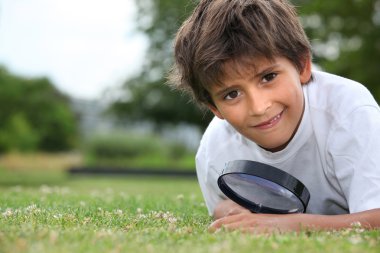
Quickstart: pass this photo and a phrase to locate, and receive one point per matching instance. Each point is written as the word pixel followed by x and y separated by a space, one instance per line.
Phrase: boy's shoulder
pixel 323 78
pixel 218 129
pixel 335 93
pixel 220 137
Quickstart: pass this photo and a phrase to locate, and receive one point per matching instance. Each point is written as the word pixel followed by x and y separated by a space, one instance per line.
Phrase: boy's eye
pixel 232 94
pixel 269 77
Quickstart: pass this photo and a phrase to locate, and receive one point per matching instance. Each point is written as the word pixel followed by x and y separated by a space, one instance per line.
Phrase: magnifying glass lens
pixel 262 188
pixel 263 192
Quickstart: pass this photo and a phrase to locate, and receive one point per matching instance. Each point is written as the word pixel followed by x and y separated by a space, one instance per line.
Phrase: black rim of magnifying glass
pixel 269 173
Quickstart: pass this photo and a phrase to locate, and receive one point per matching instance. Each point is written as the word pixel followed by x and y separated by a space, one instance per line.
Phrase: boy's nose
pixel 258 104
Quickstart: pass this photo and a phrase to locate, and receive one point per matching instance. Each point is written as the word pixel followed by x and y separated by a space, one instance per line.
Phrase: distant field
pixel 49 211
pixel 64 161
pixel 40 161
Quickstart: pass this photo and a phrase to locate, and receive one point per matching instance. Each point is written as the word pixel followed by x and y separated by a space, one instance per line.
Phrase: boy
pixel 249 62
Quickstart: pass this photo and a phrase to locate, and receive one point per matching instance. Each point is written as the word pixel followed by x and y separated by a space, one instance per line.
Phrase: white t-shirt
pixel 335 152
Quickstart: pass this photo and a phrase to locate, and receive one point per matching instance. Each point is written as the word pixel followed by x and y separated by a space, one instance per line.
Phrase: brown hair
pixel 220 31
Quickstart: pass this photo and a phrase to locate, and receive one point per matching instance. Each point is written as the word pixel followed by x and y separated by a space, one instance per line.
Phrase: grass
pixel 48 211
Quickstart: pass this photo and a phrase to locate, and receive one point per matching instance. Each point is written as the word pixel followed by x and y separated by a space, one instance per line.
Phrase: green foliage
pixel 118 146
pixel 139 215
pixel 345 35
pixel 17 134
pixel 34 115
pixel 146 97
pixel 136 150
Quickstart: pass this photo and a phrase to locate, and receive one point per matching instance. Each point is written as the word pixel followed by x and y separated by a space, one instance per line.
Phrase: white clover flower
pixel 165 216
pixel 157 215
pixel 8 213
pixel 57 216
pixel 172 220
pixel 31 208
pixel 356 224
pixel 86 220
pixel 142 216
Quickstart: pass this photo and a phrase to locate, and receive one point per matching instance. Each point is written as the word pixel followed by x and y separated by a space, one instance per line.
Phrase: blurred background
pixel 82 81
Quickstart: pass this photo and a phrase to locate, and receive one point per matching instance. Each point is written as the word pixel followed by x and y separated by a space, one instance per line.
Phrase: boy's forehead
pixel 243 67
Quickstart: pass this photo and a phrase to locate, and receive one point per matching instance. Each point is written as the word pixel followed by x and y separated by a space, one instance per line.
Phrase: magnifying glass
pixel 262 188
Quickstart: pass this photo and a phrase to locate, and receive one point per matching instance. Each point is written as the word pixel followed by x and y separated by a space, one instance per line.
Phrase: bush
pixel 122 146
pixel 34 115
pixel 136 150
pixel 17 135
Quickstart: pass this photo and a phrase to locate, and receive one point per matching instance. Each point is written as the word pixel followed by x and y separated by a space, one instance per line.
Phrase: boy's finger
pixel 227 220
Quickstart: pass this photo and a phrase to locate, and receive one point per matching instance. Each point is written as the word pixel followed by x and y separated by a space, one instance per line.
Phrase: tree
pixel 17 134
pixel 34 115
pixel 146 97
pixel 345 35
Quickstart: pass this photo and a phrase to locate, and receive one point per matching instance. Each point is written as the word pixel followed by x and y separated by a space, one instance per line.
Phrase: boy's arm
pixel 241 219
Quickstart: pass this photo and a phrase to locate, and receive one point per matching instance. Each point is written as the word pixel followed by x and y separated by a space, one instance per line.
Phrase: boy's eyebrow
pixel 267 69
pixel 223 90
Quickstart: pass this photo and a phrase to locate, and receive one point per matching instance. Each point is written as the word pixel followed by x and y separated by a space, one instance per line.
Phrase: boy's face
pixel 265 103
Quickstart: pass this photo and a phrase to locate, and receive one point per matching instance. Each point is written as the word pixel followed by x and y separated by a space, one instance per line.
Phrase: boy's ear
pixel 305 74
pixel 215 111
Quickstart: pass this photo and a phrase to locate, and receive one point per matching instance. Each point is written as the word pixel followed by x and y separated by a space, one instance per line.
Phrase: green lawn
pixel 52 212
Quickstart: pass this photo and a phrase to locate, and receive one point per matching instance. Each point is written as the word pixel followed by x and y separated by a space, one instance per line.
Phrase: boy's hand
pixel 231 216
pixel 269 223
pixel 228 208
pixel 259 223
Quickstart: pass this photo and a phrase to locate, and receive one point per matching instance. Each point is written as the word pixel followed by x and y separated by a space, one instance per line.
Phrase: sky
pixel 83 46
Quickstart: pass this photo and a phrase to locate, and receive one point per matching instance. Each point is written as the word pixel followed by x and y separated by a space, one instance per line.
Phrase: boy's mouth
pixel 270 123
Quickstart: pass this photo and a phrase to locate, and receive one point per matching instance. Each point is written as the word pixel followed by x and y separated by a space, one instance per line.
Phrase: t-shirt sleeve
pixel 207 178
pixel 354 149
